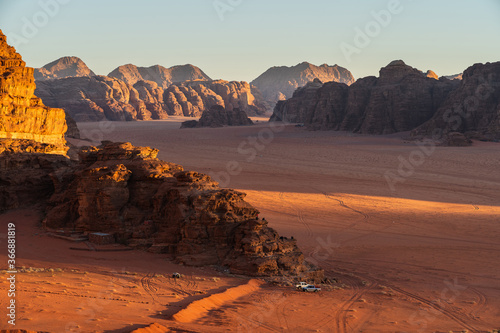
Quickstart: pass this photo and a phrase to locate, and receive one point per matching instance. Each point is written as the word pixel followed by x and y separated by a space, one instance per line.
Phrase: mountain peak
pixel 62 68
pixel 279 83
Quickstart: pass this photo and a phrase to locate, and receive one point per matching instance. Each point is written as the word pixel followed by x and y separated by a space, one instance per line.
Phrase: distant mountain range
pixel 164 77
pixel 279 83
pixel 140 93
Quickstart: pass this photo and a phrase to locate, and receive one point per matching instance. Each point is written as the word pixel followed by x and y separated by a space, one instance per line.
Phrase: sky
pixel 240 39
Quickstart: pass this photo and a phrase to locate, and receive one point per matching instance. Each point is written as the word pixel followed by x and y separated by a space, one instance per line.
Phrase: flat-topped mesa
pixel 151 204
pixel 23 115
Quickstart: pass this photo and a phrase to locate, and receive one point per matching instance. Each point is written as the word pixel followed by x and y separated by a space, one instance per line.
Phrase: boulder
pixel 218 116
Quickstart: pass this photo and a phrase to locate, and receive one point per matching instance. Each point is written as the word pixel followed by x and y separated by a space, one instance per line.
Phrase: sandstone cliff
pixel 401 99
pixel 100 97
pixel 218 116
pixel 62 68
pixel 148 203
pixel 279 83
pixel 191 98
pixel 473 108
pixel 22 114
pixel 164 77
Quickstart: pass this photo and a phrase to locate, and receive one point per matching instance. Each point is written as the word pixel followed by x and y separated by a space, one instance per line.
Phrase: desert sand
pixel 420 256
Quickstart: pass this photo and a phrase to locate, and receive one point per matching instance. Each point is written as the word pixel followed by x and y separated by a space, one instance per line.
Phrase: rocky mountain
pixel 218 116
pixel 473 108
pixel 100 97
pixel 62 68
pixel 400 99
pixel 22 114
pixel 191 98
pixel 164 77
pixel 279 83
pixel 454 77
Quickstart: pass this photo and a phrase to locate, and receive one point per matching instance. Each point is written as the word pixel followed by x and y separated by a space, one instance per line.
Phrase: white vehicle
pixel 311 288
pixel 301 285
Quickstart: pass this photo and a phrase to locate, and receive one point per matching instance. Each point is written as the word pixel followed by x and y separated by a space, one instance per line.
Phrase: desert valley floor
pixel 421 256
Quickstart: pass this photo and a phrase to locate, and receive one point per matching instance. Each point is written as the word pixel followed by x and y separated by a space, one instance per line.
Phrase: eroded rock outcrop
pixel 401 99
pixel 100 97
pixel 218 116
pixel 145 202
pixel 22 114
pixel 62 68
pixel 279 83
pixel 473 108
pixel 164 77
pixel 191 98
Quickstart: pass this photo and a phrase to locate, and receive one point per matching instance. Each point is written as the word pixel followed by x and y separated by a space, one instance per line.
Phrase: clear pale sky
pixel 446 36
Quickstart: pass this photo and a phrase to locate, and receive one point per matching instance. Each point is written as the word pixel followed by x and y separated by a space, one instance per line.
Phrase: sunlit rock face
pixel 191 98
pixel 23 115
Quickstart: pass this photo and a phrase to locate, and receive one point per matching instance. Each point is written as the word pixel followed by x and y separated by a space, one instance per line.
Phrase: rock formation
pixel 432 75
pixel 148 203
pixel 454 77
pixel 279 83
pixel 401 99
pixel 218 116
pixel 191 98
pixel 125 190
pixel 164 77
pixel 100 97
pixel 473 108
pixel 62 68
pixel 23 115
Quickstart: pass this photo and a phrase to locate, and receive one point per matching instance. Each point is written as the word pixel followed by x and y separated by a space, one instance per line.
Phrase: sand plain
pixel 420 255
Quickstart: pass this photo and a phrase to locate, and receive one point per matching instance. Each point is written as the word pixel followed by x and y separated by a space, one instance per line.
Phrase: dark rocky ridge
pixel 473 108
pixel 401 99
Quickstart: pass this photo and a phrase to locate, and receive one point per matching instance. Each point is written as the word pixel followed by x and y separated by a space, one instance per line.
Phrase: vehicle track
pixel 299 215
pixel 457 317
pixel 148 286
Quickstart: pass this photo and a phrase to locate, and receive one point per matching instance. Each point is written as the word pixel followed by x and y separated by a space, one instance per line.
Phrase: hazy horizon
pixel 239 40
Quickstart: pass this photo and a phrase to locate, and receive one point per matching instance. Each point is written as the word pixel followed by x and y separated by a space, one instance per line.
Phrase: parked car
pixel 301 285
pixel 311 288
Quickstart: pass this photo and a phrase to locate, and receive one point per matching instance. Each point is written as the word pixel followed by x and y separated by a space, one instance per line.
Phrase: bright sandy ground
pixel 421 256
